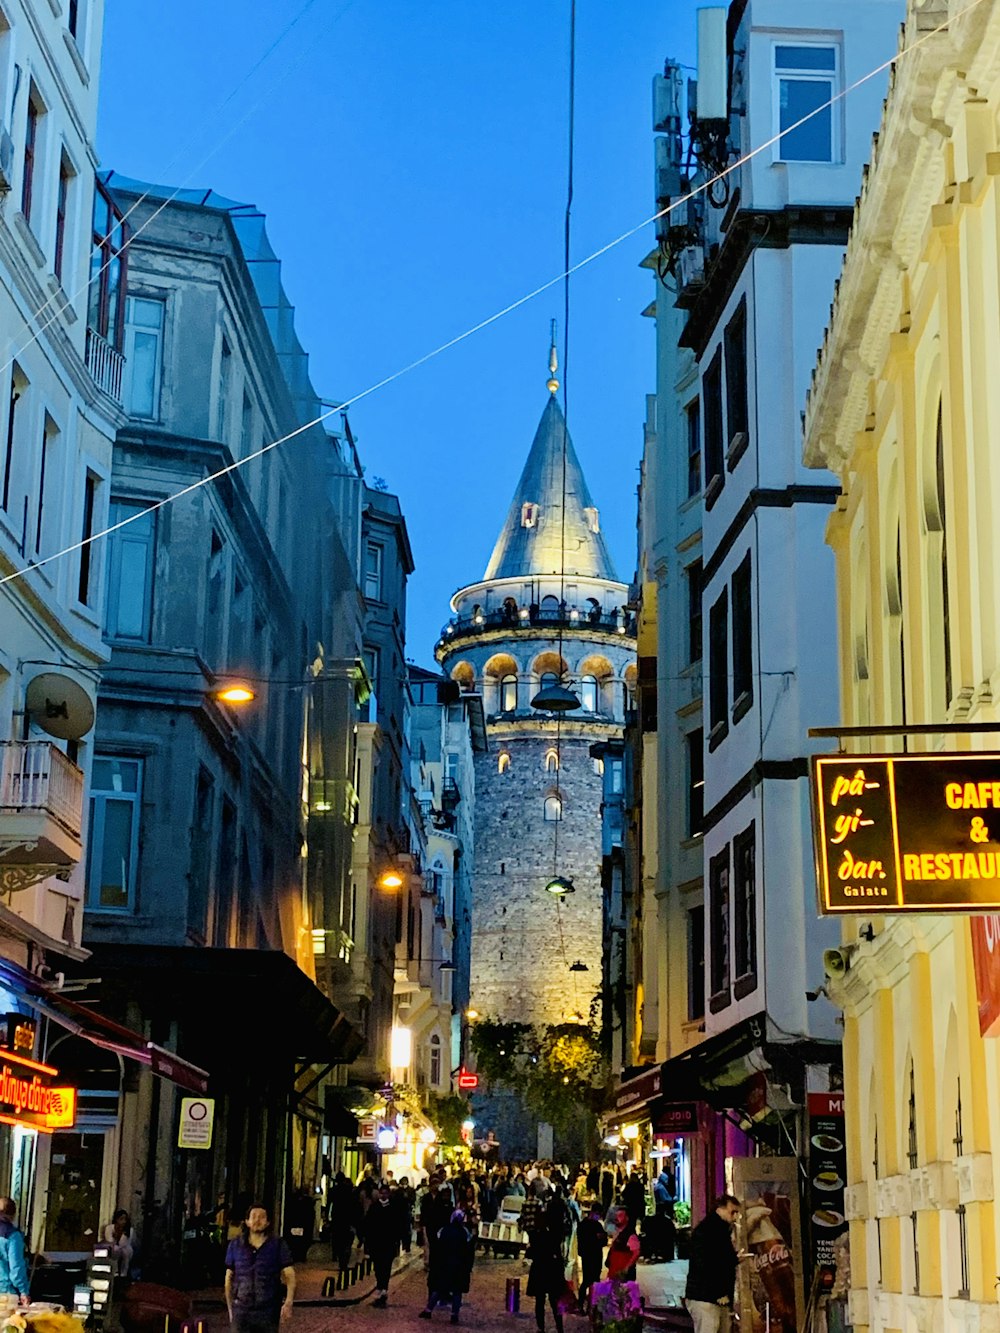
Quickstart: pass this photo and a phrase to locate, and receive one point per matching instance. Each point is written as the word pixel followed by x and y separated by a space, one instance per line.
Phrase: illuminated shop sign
pixel 907 833
pixel 27 1096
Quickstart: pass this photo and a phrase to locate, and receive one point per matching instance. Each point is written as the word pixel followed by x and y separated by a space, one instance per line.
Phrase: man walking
pixel 13 1267
pixel 258 1264
pixel 712 1268
pixel 381 1235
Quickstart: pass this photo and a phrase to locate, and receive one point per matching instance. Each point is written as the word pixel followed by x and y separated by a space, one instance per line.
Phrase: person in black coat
pixel 712 1265
pixel 591 1238
pixel 450 1271
pixel 381 1234
pixel 547 1274
pixel 343 1214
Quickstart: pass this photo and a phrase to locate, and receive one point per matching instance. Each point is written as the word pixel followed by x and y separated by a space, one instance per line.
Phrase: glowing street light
pixel 236 693
pixel 390 879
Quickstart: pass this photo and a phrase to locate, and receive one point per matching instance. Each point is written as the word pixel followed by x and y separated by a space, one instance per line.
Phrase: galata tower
pixel 548 611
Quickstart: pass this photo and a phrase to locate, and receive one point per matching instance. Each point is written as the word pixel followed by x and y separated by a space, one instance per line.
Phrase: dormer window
pixel 593 518
pixel 529 514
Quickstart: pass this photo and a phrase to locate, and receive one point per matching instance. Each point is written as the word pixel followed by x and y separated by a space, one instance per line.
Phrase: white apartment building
pixel 61 363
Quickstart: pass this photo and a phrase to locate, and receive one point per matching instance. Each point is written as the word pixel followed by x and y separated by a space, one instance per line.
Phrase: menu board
pixel 827 1182
pixel 907 833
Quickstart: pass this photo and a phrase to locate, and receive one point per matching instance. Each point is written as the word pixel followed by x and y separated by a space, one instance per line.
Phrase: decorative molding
pixel 892 1198
pixel 933 1187
pixel 974 1174
pixel 15 878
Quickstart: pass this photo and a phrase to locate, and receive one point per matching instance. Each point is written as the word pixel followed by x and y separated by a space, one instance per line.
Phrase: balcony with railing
pixel 105 364
pixel 511 618
pixel 41 813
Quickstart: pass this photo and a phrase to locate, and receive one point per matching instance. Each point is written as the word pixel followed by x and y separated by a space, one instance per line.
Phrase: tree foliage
pixel 446 1114
pixel 559 1070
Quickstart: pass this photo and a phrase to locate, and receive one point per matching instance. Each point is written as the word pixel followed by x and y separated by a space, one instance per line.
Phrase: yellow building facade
pixel 905 409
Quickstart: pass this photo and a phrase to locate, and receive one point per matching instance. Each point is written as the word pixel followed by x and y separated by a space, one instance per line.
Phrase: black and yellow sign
pixel 907 833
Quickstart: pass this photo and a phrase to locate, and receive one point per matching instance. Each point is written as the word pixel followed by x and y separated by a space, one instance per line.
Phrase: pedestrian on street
pixel 451 1273
pixel 258 1264
pixel 712 1265
pixel 634 1197
pixel 624 1251
pixel 591 1239
pixel 381 1235
pixel 13 1267
pixel 342 1216
pixel 547 1274
pixel 664 1232
pixel 403 1199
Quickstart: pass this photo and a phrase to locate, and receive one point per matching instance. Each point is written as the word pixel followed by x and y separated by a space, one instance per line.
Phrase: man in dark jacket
pixel 258 1265
pixel 381 1234
pixel 712 1268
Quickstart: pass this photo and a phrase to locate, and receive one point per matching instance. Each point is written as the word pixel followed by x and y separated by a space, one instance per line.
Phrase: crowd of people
pixel 591 1214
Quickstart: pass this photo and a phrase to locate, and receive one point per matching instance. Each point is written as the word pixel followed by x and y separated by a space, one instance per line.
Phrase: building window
pixel 373 572
pixel 718 890
pixel 589 694
pixel 592 517
pixel 246 425
pixel 50 437
pixel 62 206
pixel 693 417
pixel 18 384
pixel 73 18
pixel 617 777
pixel 503 762
pixel 130 572
pixel 143 355
pixel 737 410
pixel 106 309
pixel 225 375
pixel 553 809
pixel 599 767
pixel 31 148
pixel 694 743
pixel 711 390
pixel 742 640
pixel 529 514
pixel 201 852
pixel 549 608
pixel 113 843
pixel 90 486
pixel 551 761
pixel 451 766
pixel 745 906
pixel 435 1062
pixel 694 587
pixel 718 669
pixel 508 694
pixel 806 81
pixel 696 963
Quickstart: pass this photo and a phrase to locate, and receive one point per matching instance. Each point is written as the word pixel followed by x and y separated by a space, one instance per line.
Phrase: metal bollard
pixel 512 1297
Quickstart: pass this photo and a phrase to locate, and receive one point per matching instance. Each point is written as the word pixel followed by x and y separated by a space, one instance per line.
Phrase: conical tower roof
pixel 531 541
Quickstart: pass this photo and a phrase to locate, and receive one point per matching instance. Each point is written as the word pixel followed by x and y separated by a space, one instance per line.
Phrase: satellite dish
pixel 59 706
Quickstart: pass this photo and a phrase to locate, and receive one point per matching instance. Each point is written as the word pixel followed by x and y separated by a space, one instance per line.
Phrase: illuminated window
pixel 508 694
pixel 435 1070
pixel 529 515
pixel 553 809
pixel 503 763
pixel 589 694
pixel 551 761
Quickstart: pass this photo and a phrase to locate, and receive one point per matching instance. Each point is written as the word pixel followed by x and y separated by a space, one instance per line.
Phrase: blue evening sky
pixel 410 156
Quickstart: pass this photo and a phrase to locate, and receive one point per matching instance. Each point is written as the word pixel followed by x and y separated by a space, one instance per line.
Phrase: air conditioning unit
pixel 6 162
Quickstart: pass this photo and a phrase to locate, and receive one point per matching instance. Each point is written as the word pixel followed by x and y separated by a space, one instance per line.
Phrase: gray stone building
pixel 549 609
pixel 211 879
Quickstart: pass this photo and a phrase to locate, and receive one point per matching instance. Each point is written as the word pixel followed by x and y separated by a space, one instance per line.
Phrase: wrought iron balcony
pixel 105 364
pixel 41 813
pixel 618 621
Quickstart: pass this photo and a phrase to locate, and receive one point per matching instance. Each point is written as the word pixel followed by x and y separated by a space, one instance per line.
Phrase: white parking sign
pixel 197 1115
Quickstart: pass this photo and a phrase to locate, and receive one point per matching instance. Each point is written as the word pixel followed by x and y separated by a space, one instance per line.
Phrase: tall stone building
pixel 548 609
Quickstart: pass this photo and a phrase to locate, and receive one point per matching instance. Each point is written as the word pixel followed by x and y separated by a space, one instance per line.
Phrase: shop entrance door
pixel 73 1211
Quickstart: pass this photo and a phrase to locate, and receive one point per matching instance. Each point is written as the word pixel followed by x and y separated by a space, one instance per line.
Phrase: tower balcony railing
pixel 617 621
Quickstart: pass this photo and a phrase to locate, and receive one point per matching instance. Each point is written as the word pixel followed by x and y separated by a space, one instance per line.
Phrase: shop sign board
pixel 907 833
pixel 28 1097
pixel 367 1131
pixel 769 1285
pixel 985 932
pixel 827 1181
pixel 675 1118
pixel 197 1119
pixel 639 1090
pixel 17 1033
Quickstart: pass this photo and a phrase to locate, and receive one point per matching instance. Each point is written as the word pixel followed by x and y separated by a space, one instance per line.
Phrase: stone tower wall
pixel 524 939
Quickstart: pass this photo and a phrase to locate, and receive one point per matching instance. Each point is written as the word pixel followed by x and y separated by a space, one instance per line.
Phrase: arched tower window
pixel 553 809
pixel 589 694
pixel 503 762
pixel 550 607
pixel 551 761
pixel 549 678
pixel 508 694
pixel 435 1070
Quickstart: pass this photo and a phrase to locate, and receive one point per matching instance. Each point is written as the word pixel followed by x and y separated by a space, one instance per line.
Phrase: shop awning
pixel 85 1022
pixel 248 1000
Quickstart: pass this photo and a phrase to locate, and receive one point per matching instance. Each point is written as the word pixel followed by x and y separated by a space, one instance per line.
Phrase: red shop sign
pixel 986 959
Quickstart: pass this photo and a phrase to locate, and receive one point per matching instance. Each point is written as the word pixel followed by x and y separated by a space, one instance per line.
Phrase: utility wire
pixel 132 235
pixel 470 332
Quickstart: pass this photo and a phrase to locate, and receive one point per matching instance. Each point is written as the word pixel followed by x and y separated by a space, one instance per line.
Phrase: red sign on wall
pixel 468 1081
pixel 986 959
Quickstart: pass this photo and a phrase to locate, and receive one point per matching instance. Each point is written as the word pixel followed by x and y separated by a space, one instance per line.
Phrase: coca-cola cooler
pixel 769 1291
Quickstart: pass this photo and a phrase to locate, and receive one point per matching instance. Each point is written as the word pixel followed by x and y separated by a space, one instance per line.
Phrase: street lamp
pixel 559 886
pixel 390 879
pixel 235 693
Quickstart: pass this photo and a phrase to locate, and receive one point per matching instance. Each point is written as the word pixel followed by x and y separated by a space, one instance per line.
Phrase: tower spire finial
pixel 553 383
